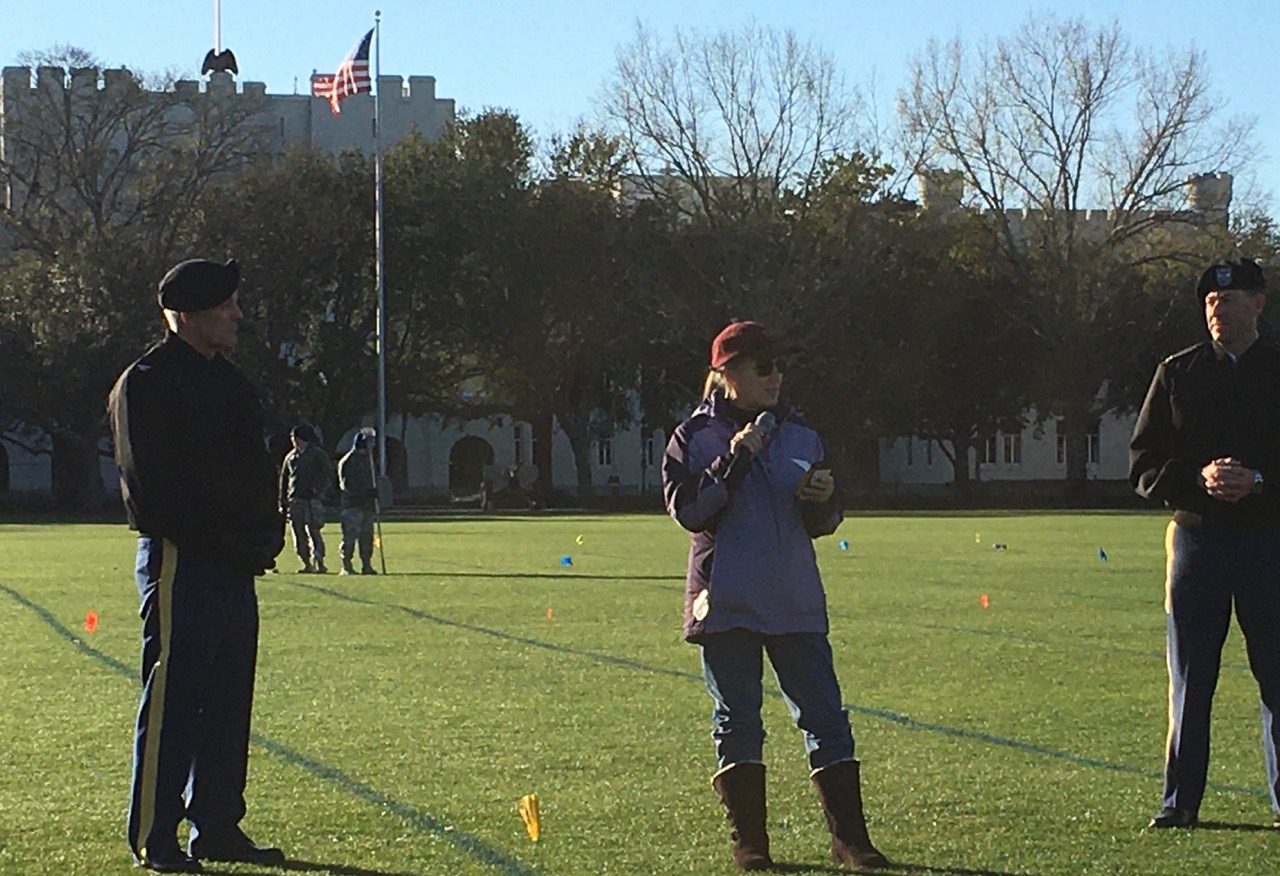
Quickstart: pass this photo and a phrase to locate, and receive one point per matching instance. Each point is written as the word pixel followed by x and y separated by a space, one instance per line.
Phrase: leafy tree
pixel 1055 118
pixel 548 300
pixel 966 348
pixel 302 232
pixel 102 182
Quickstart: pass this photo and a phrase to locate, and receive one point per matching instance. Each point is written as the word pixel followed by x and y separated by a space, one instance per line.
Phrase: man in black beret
pixel 1207 444
pixel 199 488
pixel 198 284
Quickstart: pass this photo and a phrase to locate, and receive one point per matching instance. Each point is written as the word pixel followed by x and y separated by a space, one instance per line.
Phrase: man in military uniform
pixel 359 505
pixel 199 487
pixel 1207 444
pixel 304 478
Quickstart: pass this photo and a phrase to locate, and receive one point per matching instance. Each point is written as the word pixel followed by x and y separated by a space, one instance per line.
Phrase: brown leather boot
pixel 840 791
pixel 741 790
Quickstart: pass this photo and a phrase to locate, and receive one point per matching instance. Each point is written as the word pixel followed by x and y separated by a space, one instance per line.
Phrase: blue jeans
pixel 1209 573
pixel 733 666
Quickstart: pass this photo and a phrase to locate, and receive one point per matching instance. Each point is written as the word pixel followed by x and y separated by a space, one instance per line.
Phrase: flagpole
pixel 378 235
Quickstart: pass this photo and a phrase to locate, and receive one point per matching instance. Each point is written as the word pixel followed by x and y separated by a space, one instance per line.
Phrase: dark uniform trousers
pixel 1209 571
pixel 199 649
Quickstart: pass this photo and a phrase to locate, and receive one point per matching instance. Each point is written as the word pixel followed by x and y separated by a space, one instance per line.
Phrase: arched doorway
pixel 397 466
pixel 467 460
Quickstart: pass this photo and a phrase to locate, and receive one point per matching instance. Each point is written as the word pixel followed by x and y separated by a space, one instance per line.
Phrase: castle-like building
pixel 435 455
pixel 428 455
pixel 283 121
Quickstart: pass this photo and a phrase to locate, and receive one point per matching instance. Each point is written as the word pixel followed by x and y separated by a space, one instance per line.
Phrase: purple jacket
pixel 752 546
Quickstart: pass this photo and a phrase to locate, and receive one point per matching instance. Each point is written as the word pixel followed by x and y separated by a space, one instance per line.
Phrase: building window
pixel 928 452
pixel 1013 449
pixel 517 434
pixel 989 450
pixel 1095 447
pixel 911 450
pixel 604 450
pixel 648 453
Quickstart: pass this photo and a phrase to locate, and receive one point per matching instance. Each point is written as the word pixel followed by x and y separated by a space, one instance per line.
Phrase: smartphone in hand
pixel 820 470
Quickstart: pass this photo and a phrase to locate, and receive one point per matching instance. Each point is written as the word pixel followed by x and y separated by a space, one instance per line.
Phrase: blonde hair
pixel 715 380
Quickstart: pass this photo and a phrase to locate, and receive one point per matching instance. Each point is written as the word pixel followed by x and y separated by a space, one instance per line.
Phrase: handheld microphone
pixel 765 423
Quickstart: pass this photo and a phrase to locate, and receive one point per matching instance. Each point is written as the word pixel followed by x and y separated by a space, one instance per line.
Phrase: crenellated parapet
pixel 1208 202
pixel 295 119
pixel 18 86
pixel 279 121
pixel 406 106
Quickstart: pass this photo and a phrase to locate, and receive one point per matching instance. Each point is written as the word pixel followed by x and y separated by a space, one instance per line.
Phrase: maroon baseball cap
pixel 746 338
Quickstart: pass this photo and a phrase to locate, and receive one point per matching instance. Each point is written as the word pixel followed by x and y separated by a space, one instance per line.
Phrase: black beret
pixel 303 432
pixel 198 284
pixel 1245 274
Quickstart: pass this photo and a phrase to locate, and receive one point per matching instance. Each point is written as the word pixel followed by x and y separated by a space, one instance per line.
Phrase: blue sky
pixel 548 60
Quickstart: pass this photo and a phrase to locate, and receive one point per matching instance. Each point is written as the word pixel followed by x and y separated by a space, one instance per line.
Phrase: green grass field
pixel 398 719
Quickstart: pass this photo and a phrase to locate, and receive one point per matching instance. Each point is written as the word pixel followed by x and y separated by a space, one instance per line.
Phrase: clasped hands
pixel 1227 479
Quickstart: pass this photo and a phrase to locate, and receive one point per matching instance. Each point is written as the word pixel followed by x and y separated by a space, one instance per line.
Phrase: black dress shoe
pixel 169 860
pixel 233 845
pixel 1171 816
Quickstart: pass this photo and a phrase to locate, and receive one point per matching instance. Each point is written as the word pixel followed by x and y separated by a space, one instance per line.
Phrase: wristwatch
pixel 1257 483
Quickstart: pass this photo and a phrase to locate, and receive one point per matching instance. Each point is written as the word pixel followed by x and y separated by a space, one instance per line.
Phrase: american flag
pixel 352 76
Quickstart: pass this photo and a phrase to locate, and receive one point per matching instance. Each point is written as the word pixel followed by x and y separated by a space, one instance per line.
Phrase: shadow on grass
pixel 317 867
pixel 947 871
pixel 1233 825
pixel 892 869
pixel 567 575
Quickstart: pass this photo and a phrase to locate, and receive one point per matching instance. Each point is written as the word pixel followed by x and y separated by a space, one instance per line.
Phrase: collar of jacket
pixel 185 351
pixel 720 408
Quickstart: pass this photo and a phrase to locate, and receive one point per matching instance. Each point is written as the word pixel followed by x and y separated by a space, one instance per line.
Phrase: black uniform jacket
pixel 1203 406
pixel 189 440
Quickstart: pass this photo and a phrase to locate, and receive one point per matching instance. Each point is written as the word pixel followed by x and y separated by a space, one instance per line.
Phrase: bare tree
pixel 88 153
pixel 1041 126
pixel 101 182
pixel 725 123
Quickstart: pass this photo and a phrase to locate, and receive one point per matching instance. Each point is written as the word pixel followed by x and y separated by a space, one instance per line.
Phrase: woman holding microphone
pixel 746 475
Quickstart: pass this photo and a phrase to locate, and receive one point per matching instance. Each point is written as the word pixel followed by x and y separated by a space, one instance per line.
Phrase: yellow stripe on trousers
pixel 159 681
pixel 1170 534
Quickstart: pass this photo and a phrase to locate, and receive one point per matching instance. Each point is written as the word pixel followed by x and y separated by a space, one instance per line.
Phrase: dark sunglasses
pixel 765 367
